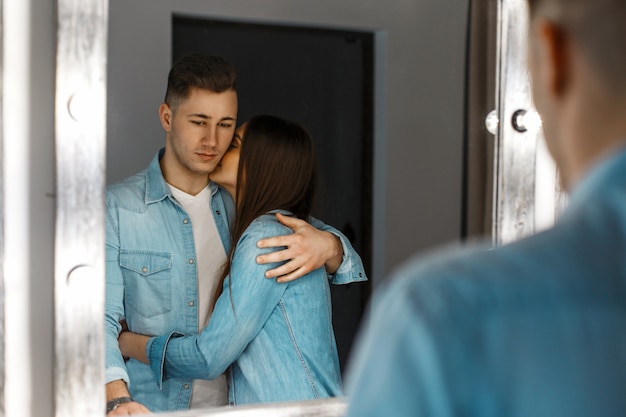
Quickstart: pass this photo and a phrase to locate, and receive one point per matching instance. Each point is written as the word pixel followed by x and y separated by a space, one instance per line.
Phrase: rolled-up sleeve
pixel 155 350
pixel 351 268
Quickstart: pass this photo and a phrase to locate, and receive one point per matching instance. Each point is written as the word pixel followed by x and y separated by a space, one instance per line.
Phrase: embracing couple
pixel 217 278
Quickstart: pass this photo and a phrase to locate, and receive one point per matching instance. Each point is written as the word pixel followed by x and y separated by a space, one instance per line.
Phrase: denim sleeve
pixel 240 313
pixel 351 268
pixel 156 347
pixel 114 303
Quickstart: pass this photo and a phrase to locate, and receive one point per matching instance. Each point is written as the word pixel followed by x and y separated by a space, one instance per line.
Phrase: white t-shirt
pixel 210 259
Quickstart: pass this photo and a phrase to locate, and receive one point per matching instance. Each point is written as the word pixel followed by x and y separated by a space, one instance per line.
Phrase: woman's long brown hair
pixel 277 170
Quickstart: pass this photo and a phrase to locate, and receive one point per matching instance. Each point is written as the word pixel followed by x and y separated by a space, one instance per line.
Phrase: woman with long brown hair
pixel 276 339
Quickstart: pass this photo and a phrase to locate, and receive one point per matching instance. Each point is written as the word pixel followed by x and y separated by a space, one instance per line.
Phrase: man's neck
pixel 178 177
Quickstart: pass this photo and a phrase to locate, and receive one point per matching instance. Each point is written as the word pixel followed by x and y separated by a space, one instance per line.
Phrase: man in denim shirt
pixel 167 238
pixel 538 327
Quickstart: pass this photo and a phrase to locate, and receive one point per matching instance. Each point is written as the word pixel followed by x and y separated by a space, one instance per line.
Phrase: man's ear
pixel 165 115
pixel 554 57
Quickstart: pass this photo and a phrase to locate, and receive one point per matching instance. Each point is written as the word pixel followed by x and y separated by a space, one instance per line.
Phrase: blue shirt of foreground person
pixel 538 327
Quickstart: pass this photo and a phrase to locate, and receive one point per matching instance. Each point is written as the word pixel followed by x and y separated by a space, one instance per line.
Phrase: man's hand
pixel 306 250
pixel 117 389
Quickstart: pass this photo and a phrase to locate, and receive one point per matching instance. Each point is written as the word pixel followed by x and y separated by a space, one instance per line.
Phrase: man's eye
pixel 198 122
pixel 226 125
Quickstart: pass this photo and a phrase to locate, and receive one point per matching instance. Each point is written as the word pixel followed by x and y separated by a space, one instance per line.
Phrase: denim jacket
pixel 151 275
pixel 277 338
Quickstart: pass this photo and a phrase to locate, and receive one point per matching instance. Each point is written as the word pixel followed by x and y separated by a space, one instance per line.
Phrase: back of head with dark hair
pixel 277 170
pixel 599 27
pixel 198 71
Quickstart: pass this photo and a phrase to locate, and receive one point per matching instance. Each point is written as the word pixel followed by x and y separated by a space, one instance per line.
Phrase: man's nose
pixel 210 136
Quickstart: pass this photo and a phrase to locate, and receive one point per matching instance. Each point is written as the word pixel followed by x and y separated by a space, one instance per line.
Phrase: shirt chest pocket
pixel 147 281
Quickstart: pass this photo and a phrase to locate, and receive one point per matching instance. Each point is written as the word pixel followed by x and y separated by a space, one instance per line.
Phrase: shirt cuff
pixel 115 373
pixel 155 351
pixel 350 269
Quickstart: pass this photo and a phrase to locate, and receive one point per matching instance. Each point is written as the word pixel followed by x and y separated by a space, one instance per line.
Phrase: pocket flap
pixel 145 262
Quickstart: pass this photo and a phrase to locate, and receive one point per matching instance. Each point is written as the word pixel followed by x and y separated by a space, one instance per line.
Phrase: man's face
pixel 199 131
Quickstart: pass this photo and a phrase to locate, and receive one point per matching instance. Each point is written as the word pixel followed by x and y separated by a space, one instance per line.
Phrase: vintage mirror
pixel 146 36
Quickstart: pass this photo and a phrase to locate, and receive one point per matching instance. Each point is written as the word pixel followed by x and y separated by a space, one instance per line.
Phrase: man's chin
pixel 205 168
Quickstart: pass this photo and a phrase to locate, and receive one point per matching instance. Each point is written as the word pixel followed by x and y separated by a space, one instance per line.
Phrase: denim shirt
pixel 277 338
pixel 151 278
pixel 534 328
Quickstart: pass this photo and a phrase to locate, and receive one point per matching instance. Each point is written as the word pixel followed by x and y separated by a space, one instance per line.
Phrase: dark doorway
pixel 322 79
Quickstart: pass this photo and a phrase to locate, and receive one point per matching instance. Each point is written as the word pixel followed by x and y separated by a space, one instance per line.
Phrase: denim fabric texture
pixel 151 275
pixel 534 328
pixel 276 338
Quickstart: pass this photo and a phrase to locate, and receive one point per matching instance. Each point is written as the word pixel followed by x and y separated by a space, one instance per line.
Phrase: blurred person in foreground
pixel 537 327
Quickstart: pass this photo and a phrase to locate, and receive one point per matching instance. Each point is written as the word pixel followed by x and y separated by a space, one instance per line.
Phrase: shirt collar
pixel 156 186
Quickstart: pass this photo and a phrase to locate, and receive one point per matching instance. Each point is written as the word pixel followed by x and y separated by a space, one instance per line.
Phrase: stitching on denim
pixel 293 340
pixel 331 332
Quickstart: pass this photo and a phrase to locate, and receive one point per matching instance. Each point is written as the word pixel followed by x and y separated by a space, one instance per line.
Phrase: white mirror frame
pixel 514 188
pixel 80 122
pixel 522 205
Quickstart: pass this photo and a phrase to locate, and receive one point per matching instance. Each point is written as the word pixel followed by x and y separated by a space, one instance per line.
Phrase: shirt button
pixel 218 212
pixel 191 304
pixel 186 221
pixel 144 269
pixel 186 386
pixel 191 261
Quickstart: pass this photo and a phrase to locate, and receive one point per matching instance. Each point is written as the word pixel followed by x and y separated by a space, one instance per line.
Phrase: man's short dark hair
pixel 196 70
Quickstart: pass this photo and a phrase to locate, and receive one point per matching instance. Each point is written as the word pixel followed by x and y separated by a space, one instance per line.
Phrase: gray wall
pixel 420 101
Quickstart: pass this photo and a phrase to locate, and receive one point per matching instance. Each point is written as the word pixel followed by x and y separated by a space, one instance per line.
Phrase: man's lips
pixel 206 156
